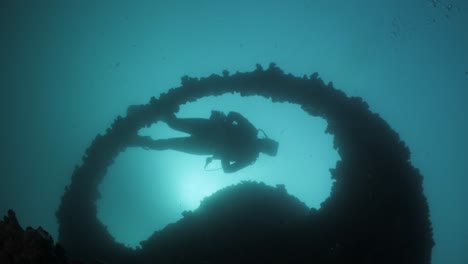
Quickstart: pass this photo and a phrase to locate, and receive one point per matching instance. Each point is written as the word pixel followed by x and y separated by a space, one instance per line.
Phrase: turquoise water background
pixel 68 69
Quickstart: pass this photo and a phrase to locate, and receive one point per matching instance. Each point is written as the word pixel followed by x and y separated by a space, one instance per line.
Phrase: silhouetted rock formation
pixel 238 224
pixel 376 213
pixel 27 246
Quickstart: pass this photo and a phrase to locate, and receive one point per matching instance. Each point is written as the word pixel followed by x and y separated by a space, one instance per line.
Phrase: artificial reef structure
pixel 376 212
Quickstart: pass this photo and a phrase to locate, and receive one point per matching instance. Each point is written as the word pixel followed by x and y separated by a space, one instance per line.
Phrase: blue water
pixel 68 69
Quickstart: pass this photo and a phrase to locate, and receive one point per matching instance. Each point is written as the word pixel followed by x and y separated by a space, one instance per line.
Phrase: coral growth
pixel 376 213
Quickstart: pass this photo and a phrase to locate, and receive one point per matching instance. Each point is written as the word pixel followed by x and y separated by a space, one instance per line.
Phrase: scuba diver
pixel 232 139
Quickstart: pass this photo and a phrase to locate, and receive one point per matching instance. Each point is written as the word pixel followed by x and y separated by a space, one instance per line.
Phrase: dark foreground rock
pixel 29 246
pixel 239 224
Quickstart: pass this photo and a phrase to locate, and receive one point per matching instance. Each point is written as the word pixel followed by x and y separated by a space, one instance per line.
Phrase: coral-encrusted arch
pixel 376 210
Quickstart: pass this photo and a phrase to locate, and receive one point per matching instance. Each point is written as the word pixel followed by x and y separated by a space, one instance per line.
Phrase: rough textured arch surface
pixel 376 212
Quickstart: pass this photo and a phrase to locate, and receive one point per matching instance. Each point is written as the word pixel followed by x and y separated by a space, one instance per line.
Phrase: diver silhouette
pixel 232 139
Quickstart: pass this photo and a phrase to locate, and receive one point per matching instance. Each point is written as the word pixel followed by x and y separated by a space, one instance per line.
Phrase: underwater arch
pixel 376 210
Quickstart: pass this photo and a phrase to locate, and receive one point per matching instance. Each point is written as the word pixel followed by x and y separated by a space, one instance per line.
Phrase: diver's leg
pixel 193 126
pixel 191 145
pixel 140 141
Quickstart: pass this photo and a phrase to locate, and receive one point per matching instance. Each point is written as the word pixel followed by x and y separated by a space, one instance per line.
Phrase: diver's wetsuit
pixel 231 139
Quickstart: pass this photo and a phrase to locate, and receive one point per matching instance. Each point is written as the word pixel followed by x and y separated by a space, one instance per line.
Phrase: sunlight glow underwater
pixel 146 190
